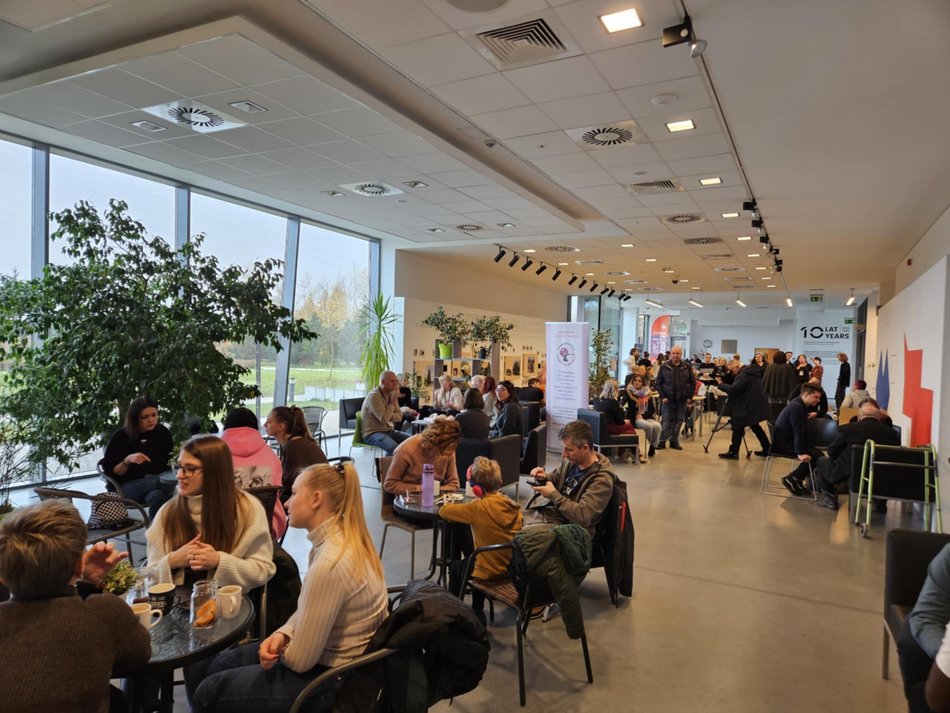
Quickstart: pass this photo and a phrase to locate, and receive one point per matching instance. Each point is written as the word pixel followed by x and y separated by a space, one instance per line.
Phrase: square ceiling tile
pixel 165 153
pixel 25 107
pixel 445 195
pixel 77 99
pixel 255 165
pixel 398 144
pixel 708 165
pixel 589 110
pixel 437 60
pixel 240 59
pixel 493 190
pixel 124 121
pixel 551 143
pixel 602 193
pixel 509 123
pixel 641 172
pixel 627 155
pixel 477 95
pixel 387 23
pixel 357 122
pixel 218 171
pixel 305 95
pixel 338 175
pixel 382 168
pixel 347 152
pixel 506 13
pixel 567 163
pixel 301 131
pixel 561 79
pixel 582 179
pixel 508 204
pixel 179 74
pixel 687 94
pixel 222 102
pixel 299 158
pixel 692 147
pixel 461 179
pixel 103 133
pixel 126 88
pixel 434 163
pixel 643 63
pixel 206 146
pixel 252 139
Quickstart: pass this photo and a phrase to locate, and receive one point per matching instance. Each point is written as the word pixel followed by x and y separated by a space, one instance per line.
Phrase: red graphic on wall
pixel 918 401
pixel 660 335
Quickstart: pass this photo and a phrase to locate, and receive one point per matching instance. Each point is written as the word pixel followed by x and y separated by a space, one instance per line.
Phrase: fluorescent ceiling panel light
pixel 753 255
pixel 730 215
pixel 148 126
pixel 770 285
pixel 682 281
pixel 562 264
pixel 626 245
pixel 740 303
pixel 651 259
pixel 712 181
pixel 622 20
pixel 767 277
pixel 653 303
pixel 761 267
pixel 695 303
pixel 697 288
pixel 529 250
pixel 415 184
pixel 668 270
pixel 744 237
pixel 436 230
pixel 788 301
pixel 685 125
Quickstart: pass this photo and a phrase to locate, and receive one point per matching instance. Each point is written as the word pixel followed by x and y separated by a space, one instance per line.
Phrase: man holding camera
pixel 579 490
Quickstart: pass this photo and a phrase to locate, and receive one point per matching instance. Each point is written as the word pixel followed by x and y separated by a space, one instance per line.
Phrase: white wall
pixel 929 250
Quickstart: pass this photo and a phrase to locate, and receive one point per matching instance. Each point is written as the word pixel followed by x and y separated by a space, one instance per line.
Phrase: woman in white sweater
pixel 210 529
pixel 342 604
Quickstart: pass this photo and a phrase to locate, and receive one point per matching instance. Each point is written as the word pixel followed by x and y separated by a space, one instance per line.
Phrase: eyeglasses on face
pixel 189 470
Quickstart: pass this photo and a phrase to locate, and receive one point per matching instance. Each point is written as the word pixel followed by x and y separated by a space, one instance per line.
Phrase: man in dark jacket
pixel 790 437
pixel 750 406
pixel 836 466
pixel 676 384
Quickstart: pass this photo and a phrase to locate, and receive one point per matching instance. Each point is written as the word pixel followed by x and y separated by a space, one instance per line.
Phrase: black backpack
pixel 613 543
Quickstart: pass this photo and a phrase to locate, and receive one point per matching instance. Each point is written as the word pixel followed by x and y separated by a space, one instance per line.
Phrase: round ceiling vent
pixel 477 5
pixel 562 249
pixel 702 241
pixel 728 268
pixel 634 282
pixel 607 136
pixel 469 227
pixel 193 116
pixel 616 273
pixel 683 219
pixel 651 289
pixel 372 189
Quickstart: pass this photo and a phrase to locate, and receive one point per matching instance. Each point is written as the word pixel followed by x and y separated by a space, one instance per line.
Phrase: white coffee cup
pixel 229 601
pixel 148 617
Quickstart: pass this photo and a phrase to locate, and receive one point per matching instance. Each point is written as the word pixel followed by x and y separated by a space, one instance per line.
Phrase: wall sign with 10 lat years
pixel 825 332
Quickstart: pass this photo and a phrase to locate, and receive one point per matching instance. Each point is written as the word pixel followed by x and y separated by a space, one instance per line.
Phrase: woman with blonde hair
pixel 617 424
pixel 435 445
pixel 342 603
pixel 210 529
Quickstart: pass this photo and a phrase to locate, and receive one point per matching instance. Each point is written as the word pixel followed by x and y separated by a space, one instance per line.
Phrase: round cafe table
pixel 413 509
pixel 176 643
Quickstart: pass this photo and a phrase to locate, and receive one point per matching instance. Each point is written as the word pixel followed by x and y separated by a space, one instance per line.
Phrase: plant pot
pixel 445 350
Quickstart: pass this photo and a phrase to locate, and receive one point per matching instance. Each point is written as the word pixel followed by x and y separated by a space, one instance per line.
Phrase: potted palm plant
pixel 378 318
pixel 453 330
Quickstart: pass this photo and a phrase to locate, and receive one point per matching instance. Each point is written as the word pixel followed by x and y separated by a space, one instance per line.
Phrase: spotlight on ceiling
pixel 612 291
pixel 557 274
pixel 778 268
pixel 514 260
pixel 604 291
pixel 697 47
pixel 500 255
pixel 527 263
pixel 758 223
pixel 764 238
pixel 750 205
pixel 593 288
pixel 850 299
pixel 583 282
pixel 541 269
pixel 572 280
pixel 773 250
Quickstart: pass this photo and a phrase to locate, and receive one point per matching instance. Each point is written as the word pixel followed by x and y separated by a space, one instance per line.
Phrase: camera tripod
pixel 722 424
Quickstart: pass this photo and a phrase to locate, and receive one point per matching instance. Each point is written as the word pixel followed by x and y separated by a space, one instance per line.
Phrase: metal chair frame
pixel 391 519
pixel 94 536
pixel 314 416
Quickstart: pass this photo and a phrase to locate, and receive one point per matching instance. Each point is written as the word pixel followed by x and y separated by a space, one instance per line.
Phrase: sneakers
pixel 659 447
pixel 793 486
pixel 651 452
pixel 827 500
pixel 676 446
pixel 729 455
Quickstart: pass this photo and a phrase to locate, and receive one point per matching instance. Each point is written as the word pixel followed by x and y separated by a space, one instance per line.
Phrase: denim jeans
pixel 149 491
pixel 673 415
pixel 236 683
pixel 387 440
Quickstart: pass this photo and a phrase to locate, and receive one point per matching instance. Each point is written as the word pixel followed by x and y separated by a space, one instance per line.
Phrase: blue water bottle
pixel 428 485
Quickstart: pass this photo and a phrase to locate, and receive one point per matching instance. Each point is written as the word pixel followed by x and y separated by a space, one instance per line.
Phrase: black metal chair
pixel 348 410
pixel 138 518
pixel 391 519
pixel 530 416
pixel 535 449
pixel 314 416
pixel 908 554
pixel 467 451
pixel 602 438
pixel 507 451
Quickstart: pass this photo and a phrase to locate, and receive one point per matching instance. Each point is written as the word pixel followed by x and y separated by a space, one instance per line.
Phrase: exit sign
pixel 816 298
pixel 849 320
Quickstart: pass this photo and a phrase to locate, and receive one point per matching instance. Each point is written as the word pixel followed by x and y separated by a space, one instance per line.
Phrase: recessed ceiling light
pixel 611 282
pixel 695 303
pixel 651 259
pixel 740 302
pixel 436 230
pixel 148 126
pixel 685 125
pixel 697 288
pixel 415 184
pixel 713 181
pixel 626 245
pixel 562 264
pixel 761 267
pixel 753 255
pixel 623 20
pixel 588 274
pixel 744 237
pixel 529 250
pixel 770 285
pixel 730 215
pixel 767 277
pixel 682 281
pixel 668 270
pixel 506 225
pixel 788 301
pixel 663 99
pixel 248 107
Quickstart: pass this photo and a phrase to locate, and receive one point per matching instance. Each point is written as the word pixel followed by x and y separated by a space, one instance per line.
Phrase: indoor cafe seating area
pixel 436 188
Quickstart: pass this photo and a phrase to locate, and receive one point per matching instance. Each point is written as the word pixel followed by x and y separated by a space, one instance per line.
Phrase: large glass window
pixel 15 194
pixel 239 235
pixel 71 180
pixel 332 286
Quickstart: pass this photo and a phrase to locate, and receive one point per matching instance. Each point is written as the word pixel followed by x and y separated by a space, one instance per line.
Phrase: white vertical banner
pixel 568 359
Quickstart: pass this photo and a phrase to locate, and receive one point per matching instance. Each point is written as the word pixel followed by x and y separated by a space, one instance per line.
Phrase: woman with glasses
pixel 508 416
pixel 341 605
pixel 138 453
pixel 210 529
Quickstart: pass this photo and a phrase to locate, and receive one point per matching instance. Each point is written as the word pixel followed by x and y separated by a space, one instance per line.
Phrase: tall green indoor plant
pixel 493 330
pixel 451 328
pixel 376 335
pixel 601 343
pixel 128 315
